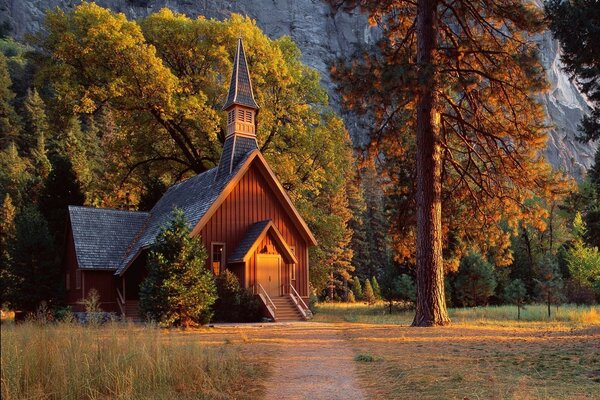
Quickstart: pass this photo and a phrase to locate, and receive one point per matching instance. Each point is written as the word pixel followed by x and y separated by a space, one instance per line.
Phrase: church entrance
pixel 268 272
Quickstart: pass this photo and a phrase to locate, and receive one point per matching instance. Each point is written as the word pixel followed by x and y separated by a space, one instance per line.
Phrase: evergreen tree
pixel 468 92
pixel 583 261
pixel 357 288
pixel 9 120
pixel 37 276
pixel 7 237
pixel 15 174
pixel 179 290
pixel 475 281
pixel 549 283
pixel 576 23
pixel 368 294
pixel 376 288
pixel 35 122
pixel 351 298
pixel 516 293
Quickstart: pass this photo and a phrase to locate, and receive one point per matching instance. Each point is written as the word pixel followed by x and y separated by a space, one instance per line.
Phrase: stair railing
pixel 300 304
pixel 264 296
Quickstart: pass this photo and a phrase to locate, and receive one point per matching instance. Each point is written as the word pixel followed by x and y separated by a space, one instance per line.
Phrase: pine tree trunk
pixel 431 302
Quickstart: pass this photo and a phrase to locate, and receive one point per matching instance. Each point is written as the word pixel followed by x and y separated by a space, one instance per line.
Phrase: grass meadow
pixel 485 354
pixel 119 361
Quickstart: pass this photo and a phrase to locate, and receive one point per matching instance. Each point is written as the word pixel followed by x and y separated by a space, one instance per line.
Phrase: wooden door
pixel 268 273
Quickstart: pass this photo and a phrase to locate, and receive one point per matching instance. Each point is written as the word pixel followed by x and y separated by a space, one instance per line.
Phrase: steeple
pixel 241 111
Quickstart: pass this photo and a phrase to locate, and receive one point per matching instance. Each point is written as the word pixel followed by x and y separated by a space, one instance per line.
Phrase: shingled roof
pixel 240 88
pixel 194 196
pixel 101 236
pixel 254 235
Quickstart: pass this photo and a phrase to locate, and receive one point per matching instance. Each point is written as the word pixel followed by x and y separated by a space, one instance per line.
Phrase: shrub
pixel 234 303
pixel 357 288
pixel 549 283
pixel 179 290
pixel 475 281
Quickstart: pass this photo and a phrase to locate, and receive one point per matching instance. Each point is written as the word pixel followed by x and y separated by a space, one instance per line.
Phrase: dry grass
pixel 68 361
pixel 483 355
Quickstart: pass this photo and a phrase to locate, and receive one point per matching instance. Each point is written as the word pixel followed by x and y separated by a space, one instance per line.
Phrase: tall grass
pixel 69 361
pixel 378 314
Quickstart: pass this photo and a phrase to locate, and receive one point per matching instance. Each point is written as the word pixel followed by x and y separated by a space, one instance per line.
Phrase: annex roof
pixel 101 236
pixel 254 236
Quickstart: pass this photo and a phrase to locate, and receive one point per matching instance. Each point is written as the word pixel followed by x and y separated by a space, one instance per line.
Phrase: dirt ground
pixel 314 360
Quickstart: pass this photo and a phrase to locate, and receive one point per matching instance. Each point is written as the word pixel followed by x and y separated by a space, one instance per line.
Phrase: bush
pixel 179 290
pixel 234 303
pixel 475 281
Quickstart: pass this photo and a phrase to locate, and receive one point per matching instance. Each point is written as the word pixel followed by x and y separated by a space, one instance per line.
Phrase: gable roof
pixel 101 236
pixel 240 87
pixel 254 236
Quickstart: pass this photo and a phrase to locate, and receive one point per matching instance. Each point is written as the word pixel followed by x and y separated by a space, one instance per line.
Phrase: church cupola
pixel 241 111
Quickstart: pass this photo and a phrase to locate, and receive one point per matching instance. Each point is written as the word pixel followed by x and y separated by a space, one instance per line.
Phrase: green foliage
pixel 376 288
pixel 36 275
pixel 357 288
pixel 549 283
pixel 516 293
pixel 368 294
pixel 583 261
pixel 7 238
pixel 475 281
pixel 179 290
pixel 9 120
pixel 234 303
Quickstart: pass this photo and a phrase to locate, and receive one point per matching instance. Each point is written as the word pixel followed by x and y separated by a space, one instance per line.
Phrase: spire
pixel 241 116
pixel 240 87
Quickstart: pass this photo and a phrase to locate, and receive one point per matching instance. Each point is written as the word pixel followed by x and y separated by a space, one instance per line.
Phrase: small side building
pixel 239 209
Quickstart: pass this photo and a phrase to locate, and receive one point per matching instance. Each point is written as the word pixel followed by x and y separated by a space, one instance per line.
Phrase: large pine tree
pixel 462 76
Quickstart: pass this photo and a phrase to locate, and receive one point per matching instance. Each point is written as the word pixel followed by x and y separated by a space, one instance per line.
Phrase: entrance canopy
pixel 254 236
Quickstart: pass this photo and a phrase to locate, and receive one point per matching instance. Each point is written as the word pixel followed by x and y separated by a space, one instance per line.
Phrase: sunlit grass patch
pixel 62 361
pixel 490 315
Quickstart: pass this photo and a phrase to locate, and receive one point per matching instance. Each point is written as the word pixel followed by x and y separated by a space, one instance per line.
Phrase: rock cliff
pixel 323 37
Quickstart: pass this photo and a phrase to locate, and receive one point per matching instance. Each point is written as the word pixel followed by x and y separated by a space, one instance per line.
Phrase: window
pixel 68 282
pixel 217 257
pixel 230 116
pixel 241 115
pixel 293 266
pixel 249 116
pixel 78 279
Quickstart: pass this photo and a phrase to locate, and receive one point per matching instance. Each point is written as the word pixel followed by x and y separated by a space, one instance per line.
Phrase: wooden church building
pixel 239 209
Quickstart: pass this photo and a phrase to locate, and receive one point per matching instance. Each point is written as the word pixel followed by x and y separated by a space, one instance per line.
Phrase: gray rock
pixel 323 37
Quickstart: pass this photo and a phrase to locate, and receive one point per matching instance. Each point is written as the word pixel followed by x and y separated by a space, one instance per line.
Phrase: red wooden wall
pixel 252 200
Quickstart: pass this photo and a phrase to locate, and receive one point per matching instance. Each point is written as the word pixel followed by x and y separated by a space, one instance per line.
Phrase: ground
pixel 360 352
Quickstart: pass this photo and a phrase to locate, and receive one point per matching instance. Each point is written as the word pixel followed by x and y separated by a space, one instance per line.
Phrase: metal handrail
pixel 270 305
pixel 300 304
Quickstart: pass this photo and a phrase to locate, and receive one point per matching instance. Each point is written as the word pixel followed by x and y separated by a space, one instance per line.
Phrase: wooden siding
pixel 252 200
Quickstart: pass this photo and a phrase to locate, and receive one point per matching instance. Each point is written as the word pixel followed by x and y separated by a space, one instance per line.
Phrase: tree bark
pixel 431 302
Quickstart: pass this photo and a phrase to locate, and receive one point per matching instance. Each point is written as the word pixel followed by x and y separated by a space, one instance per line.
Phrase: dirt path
pixel 313 361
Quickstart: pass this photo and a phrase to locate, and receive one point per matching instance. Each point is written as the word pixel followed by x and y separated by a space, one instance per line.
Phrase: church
pixel 239 209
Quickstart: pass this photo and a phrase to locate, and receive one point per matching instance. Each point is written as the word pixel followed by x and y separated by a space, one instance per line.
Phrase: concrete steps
pixel 286 309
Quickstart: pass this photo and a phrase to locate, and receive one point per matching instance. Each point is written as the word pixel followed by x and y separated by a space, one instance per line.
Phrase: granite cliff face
pixel 323 37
